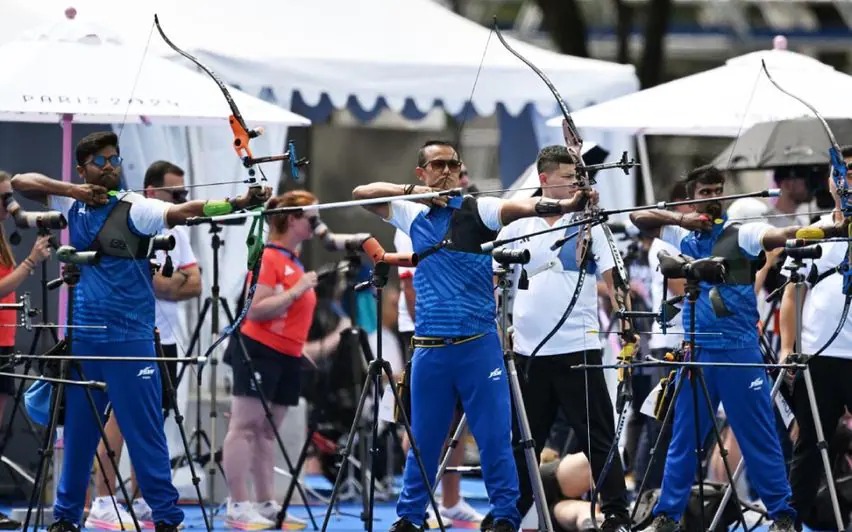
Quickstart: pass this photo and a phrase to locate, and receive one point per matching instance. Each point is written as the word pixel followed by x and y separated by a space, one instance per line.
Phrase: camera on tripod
pixel 505 257
pixel 511 256
pixel 710 270
pixel 162 243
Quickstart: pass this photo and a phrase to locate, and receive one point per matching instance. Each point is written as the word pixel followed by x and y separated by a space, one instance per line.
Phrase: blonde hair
pixel 293 198
pixel 7 259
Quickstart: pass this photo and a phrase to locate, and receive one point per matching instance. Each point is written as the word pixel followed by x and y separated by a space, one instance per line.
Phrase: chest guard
pixel 466 231
pixel 740 267
pixel 116 239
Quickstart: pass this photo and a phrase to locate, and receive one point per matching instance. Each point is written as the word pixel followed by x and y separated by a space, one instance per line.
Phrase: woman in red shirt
pixel 274 332
pixel 11 277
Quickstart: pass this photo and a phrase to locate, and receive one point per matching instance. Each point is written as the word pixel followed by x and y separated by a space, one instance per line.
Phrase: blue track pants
pixel 745 394
pixel 440 376
pixel 134 390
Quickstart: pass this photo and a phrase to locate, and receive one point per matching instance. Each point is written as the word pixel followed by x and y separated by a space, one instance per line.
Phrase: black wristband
pixel 547 207
pixel 408 189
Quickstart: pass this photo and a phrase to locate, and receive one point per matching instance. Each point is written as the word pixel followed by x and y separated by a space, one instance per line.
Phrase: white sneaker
pixel 431 522
pixel 103 515
pixel 270 509
pixel 462 515
pixel 143 513
pixel 244 516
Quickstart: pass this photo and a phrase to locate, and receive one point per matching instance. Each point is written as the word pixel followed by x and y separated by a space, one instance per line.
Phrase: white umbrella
pixel 726 100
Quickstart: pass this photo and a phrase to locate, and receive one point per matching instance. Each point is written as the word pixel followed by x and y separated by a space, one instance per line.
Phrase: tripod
pixel 695 377
pixel 798 357
pixel 505 284
pixel 375 369
pixel 355 338
pixel 34 345
pixel 70 276
pixel 211 304
pixel 354 346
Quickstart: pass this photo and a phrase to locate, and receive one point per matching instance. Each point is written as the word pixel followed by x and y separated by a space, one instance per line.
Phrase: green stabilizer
pixel 254 241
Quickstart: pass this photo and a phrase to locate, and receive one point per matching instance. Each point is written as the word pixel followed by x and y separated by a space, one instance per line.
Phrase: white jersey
pixel 553 276
pixel 402 244
pixel 823 303
pixel 182 257
pixel 675 326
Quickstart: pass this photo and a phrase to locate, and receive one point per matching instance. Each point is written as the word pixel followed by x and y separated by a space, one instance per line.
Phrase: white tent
pixel 723 101
pixel 367 49
pixel 726 100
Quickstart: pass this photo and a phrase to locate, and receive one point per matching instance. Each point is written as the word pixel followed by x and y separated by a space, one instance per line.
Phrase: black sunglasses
pixel 100 161
pixel 438 165
pixel 179 196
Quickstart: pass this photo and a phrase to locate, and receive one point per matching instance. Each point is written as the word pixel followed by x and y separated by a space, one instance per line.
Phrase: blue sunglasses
pixel 100 161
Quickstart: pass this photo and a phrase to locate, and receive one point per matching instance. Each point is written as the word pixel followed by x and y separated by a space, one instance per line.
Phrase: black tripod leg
pixel 347 448
pixel 413 445
pixel 723 453
pixel 268 413
pixel 666 426
pixel 46 456
pixel 294 479
pixel 699 439
pixel 170 390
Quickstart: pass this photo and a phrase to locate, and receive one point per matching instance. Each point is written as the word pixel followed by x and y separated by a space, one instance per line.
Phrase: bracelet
pixel 680 222
pixel 408 189
pixel 28 262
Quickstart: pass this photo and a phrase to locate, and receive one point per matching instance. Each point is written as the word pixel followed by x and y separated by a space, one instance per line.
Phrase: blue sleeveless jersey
pixel 728 332
pixel 117 292
pixel 455 290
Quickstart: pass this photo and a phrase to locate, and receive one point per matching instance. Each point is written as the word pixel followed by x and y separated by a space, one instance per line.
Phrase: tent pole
pixel 63 237
pixel 647 182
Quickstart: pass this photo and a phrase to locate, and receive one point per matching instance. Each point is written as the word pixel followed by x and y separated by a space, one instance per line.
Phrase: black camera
pixel 69 255
pixel 710 270
pixel 162 243
pixel 511 256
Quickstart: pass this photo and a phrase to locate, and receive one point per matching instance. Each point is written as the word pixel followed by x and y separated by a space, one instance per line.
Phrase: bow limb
pixel 242 134
pixel 839 172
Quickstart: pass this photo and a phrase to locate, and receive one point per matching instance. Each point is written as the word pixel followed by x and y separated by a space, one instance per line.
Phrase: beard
pixel 713 209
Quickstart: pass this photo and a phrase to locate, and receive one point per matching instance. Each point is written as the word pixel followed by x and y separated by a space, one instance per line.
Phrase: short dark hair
pixel 421 153
pixel 704 175
pixel 678 192
pixel 93 143
pixel 156 173
pixel 550 157
pixel 846 151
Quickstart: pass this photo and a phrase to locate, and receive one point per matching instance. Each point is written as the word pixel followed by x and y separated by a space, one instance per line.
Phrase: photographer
pixel 731 320
pixel 11 277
